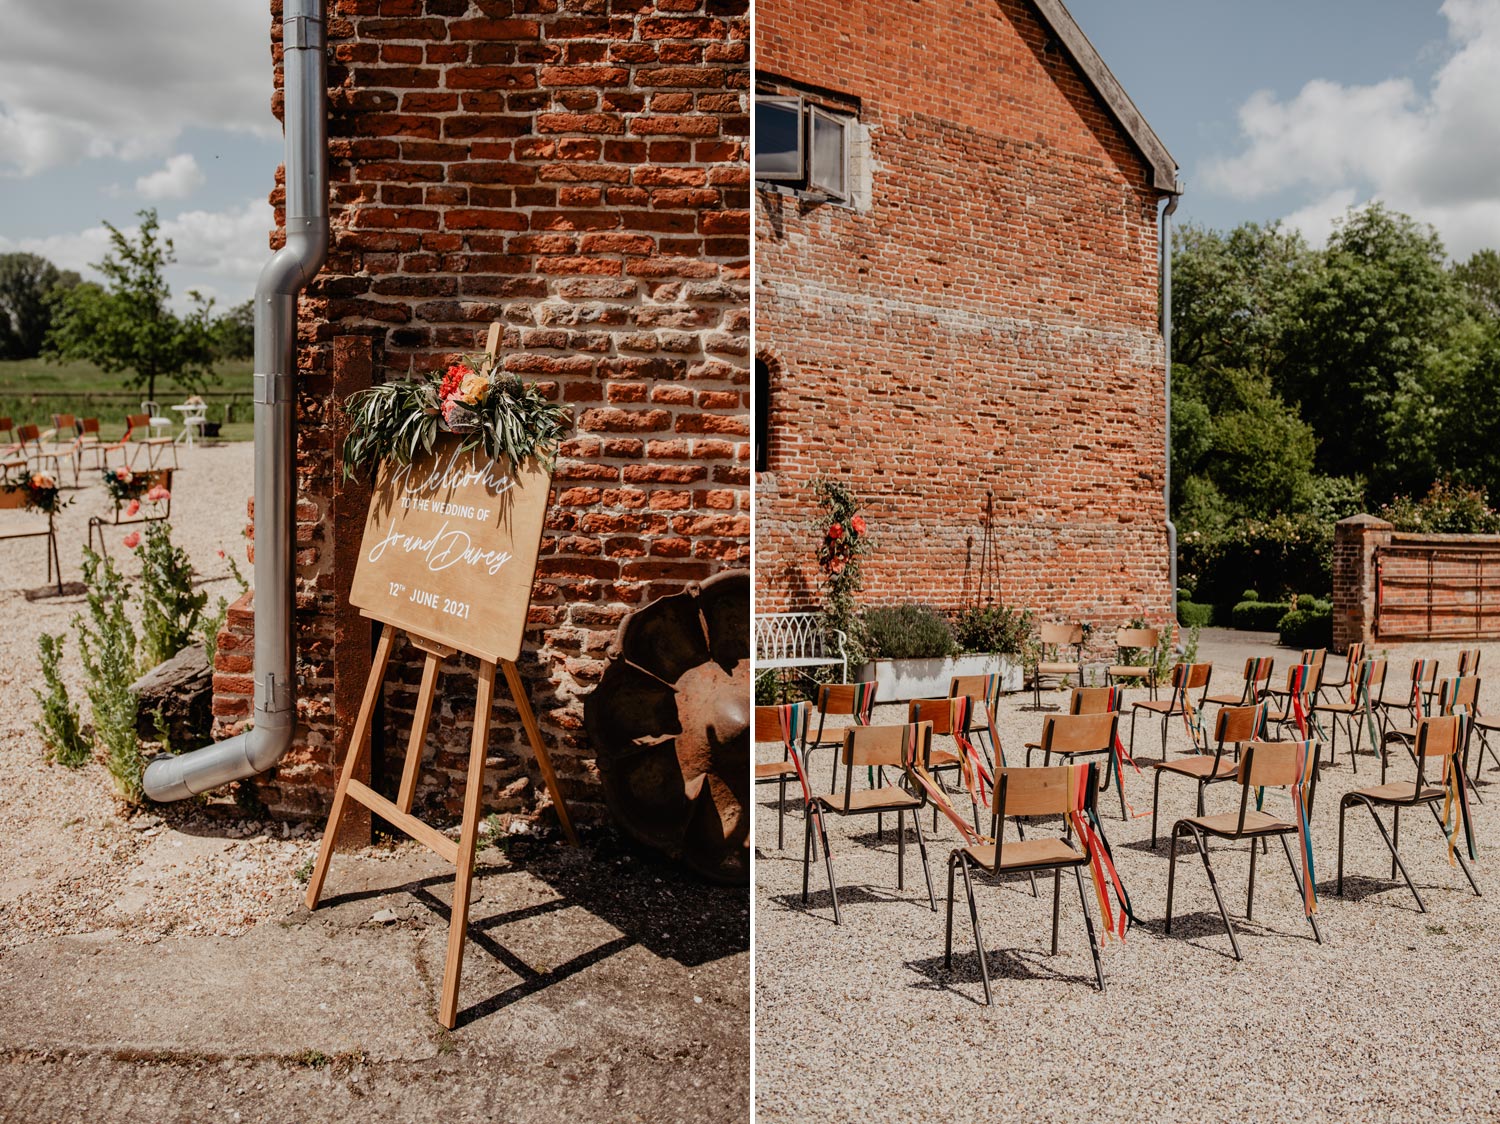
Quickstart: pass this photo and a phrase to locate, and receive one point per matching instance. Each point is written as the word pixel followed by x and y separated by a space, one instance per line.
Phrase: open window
pixel 778 138
pixel 802 146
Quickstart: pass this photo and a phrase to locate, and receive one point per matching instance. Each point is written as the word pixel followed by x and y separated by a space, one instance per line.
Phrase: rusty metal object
pixel 670 725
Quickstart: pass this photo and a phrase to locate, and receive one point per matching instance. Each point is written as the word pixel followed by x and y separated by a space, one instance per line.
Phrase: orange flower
pixel 858 524
pixel 133 539
pixel 133 508
pixel 157 494
pixel 836 532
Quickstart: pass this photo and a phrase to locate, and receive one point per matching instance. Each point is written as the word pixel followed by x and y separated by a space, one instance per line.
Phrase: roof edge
pixel 1163 167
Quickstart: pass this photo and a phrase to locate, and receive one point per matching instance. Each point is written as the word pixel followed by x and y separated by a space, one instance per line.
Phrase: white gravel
pixel 1395 1018
pixel 78 860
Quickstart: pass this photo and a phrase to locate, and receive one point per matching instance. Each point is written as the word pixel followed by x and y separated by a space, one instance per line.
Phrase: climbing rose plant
pixel 844 539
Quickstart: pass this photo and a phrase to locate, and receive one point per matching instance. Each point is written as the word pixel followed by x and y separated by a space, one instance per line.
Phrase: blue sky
pixel 1273 109
pixel 1295 110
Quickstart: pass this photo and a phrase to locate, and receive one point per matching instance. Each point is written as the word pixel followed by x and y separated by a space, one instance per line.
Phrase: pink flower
pixel 124 476
pixel 858 523
pixel 133 540
pixel 222 554
pixel 133 508
pixel 157 494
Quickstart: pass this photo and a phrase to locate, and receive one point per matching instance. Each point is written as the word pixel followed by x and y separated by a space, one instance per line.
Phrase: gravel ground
pixel 78 859
pixel 1394 1018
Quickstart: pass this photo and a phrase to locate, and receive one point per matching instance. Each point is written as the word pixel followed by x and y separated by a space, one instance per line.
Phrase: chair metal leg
pixel 1396 863
pixel 926 870
pixel 1343 807
pixel 1214 885
pixel 1396 836
pixel 1457 852
pixel 984 968
pixel 1133 714
pixel 900 850
pixel 1056 904
pixel 781 817
pixel 806 850
pixel 833 890
pixel 1155 803
pixel 948 944
pixel 1250 890
pixel 1171 875
pixel 1312 918
pixel 1088 923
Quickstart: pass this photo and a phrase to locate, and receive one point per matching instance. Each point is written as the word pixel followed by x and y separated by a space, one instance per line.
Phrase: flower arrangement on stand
pixel 845 539
pixel 123 484
pixel 474 398
pixel 40 491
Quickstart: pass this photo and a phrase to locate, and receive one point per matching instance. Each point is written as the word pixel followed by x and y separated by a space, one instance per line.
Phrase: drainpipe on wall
pixel 1166 339
pixel 284 276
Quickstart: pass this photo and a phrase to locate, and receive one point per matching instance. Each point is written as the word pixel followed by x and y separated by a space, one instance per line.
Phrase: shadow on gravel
pixel 1004 964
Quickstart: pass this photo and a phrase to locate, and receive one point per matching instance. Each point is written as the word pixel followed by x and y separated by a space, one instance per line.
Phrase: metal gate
pixel 1437 592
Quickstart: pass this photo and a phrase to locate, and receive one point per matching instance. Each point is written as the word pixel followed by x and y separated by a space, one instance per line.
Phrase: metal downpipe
pixel 1166 339
pixel 284 276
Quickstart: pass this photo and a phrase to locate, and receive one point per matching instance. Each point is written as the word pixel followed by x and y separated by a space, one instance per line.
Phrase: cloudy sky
pixel 1273 108
pixel 1296 109
pixel 109 107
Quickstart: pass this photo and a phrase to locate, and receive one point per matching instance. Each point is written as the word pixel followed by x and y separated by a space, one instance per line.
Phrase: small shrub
pixel 1307 628
pixel 170 606
pixel 107 642
pixel 992 628
pixel 1190 646
pixel 1193 615
pixel 1446 509
pixel 1249 595
pixel 59 724
pixel 1258 616
pixel 906 632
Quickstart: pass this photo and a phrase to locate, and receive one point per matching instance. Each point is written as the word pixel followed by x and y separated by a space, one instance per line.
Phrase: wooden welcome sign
pixel 448 557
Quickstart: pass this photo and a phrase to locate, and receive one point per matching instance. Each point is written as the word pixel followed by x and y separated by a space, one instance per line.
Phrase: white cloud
pixel 178 179
pixel 99 78
pixel 1433 153
pixel 218 252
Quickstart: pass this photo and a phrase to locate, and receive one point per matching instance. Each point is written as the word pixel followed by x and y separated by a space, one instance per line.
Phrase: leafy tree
pixel 1360 351
pixel 29 285
pixel 1480 278
pixel 234 332
pixel 128 326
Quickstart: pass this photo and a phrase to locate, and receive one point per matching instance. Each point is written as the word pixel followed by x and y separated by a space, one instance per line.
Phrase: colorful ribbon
pixel 1456 802
pixel 1081 778
pixel 794 718
pixel 1306 751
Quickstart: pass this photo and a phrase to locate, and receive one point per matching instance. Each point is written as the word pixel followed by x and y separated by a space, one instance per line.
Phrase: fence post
pixel 1354 544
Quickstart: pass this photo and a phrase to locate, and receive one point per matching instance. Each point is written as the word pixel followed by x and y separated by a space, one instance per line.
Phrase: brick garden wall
pixel 578 170
pixel 988 321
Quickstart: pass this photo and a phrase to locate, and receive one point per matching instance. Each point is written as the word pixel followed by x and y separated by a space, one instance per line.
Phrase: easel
pixel 398 814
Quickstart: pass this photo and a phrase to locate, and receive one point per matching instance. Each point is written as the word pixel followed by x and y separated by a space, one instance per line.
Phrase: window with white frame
pixel 802 146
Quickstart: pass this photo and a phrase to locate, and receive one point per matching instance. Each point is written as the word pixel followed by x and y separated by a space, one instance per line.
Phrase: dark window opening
pixel 762 426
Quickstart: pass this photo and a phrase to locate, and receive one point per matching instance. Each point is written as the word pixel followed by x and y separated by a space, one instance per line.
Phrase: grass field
pixel 32 390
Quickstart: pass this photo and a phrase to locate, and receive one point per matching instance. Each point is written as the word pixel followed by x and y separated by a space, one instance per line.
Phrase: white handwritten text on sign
pixel 449 549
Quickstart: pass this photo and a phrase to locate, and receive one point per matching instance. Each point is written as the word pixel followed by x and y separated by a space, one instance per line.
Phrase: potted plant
pixel 915 652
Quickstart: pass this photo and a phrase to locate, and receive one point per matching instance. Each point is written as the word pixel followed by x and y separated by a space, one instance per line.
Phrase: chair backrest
pixel 1096 700
pixel 983 688
pixel 1424 674
pixel 134 422
pixel 879 746
pixel 61 422
pixel 854 699
pixel 1079 733
pixel 1353 658
pixel 1370 678
pixel 768 727
pixel 1048 791
pixel 1301 678
pixel 1234 724
pixel 26 434
pixel 1468 658
pixel 1461 692
pixel 1191 676
pixel 1258 670
pixel 937 712
pixel 6 425
pixel 1054 635
pixel 1274 764
pixel 1137 638
pixel 1438 737
pixel 151 409
pixel 12 499
pixel 87 426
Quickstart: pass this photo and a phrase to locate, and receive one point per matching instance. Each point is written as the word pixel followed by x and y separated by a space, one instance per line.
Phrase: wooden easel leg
pixel 420 722
pixel 458 922
pixel 358 740
pixel 543 759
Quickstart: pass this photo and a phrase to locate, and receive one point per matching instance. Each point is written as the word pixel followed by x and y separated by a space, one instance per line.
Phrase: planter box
pixel 902 680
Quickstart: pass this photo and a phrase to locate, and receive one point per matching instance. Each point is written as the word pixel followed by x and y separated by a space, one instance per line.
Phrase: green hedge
pixel 1309 625
pixel 1258 616
pixel 1190 614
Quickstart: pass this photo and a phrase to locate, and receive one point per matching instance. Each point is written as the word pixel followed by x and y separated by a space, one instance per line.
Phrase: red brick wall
pixel 989 322
pixel 578 170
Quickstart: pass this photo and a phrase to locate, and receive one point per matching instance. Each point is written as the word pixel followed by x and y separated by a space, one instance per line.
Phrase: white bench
pixel 786 641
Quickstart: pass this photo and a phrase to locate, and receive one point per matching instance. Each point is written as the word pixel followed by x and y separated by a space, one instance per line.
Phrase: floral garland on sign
pixel 39 490
pixel 473 398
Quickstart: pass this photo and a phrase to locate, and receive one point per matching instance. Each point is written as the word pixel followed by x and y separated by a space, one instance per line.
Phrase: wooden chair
pixel 1292 704
pixel 1459 695
pixel 946 722
pixel 1063 790
pixel 1053 638
pixel 1413 700
pixel 982 689
pixel 1441 740
pixel 1138 639
pixel 785 726
pixel 1352 659
pixel 1365 693
pixel 1071 736
pixel 88 441
pixel 1313 658
pixel 31 455
pixel 14 499
pixel 1468 664
pixel 1234 726
pixel 855 701
pixel 1290 765
pixel 1257 683
pixel 138 434
pixel 1186 678
pixel 1088 700
pixel 878 748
